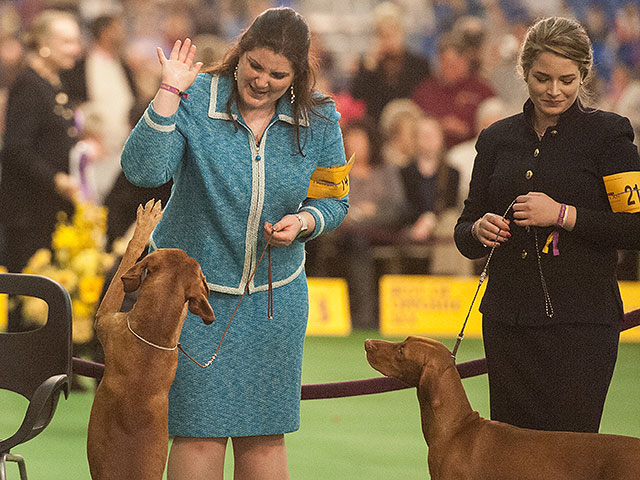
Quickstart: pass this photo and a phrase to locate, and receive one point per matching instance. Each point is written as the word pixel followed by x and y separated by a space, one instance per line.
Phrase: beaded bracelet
pixel 169 88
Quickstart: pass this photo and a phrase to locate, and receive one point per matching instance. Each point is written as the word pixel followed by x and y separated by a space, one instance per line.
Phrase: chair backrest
pixel 28 358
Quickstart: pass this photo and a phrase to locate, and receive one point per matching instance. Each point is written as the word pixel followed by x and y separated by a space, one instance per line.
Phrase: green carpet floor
pixel 368 437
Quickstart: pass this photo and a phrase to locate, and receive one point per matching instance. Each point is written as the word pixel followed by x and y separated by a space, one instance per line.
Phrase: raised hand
pixel 178 70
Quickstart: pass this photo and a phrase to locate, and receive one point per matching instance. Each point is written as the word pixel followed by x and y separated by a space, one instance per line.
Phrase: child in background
pixel 86 153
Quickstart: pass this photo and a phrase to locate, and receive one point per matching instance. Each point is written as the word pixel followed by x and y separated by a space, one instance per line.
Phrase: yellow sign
pixel 4 308
pixel 630 292
pixel 437 306
pixel 329 312
pixel 622 191
pixel 416 304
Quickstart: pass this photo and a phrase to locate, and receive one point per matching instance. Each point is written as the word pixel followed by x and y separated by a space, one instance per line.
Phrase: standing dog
pixel 128 428
pixel 464 446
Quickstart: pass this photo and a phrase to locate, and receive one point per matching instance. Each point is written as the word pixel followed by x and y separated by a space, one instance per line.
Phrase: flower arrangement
pixel 78 261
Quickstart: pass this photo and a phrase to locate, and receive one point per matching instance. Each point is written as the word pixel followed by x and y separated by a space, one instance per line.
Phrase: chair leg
pixel 9 457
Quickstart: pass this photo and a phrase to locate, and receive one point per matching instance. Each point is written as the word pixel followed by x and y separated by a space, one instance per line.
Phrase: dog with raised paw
pixel 464 446
pixel 128 427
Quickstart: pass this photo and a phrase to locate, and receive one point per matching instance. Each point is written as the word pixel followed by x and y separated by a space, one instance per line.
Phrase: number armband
pixel 330 182
pixel 622 191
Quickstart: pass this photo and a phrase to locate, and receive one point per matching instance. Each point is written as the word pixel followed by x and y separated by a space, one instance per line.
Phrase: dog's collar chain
pixel 267 249
pixel 139 337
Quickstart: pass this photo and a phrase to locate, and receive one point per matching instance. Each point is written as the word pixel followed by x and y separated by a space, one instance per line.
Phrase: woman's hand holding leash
pixel 491 230
pixel 287 229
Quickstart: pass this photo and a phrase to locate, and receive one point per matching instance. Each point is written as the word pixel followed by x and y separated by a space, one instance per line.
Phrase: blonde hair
pixel 564 37
pixel 395 112
pixel 41 27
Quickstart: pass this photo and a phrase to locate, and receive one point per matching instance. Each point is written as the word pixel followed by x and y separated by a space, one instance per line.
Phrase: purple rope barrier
pixel 353 388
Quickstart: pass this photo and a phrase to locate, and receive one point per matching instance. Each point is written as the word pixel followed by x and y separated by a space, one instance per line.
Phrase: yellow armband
pixel 622 191
pixel 332 182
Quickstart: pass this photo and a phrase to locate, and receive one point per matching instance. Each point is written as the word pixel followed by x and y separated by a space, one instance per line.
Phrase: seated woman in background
pixel 376 210
pixel 431 186
pixel 431 189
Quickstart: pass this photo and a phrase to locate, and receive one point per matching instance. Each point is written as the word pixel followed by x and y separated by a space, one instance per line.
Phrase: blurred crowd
pixel 415 82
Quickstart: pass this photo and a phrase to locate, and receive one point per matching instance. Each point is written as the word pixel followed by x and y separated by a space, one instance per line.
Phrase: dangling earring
pixel 44 52
pixel 235 73
pixel 293 95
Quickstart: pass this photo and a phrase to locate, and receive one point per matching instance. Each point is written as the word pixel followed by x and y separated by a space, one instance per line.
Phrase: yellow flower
pixel 90 289
pixel 82 329
pixel 78 261
pixel 86 262
pixel 35 310
pixel 39 260
pixel 67 278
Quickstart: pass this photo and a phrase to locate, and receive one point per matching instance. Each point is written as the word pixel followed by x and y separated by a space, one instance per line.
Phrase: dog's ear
pixel 133 277
pixel 199 303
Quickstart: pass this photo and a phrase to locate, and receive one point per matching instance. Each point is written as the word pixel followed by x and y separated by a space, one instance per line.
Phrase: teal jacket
pixel 225 188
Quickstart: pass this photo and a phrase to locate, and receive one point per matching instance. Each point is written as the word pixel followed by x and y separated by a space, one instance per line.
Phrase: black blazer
pixel 39 134
pixel 568 165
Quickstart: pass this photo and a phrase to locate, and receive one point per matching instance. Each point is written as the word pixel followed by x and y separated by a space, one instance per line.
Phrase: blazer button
pixel 528 175
pixel 554 132
pixel 536 152
pixel 524 254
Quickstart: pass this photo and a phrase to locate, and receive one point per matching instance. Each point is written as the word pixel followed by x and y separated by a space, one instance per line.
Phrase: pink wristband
pixel 561 215
pixel 169 88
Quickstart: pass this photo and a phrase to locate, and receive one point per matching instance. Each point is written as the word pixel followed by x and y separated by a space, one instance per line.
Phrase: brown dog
pixel 462 445
pixel 128 428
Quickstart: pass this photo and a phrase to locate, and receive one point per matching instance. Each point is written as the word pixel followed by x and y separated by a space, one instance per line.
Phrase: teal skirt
pixel 253 386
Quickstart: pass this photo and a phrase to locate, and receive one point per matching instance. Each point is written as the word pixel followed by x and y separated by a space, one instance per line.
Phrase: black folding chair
pixel 37 363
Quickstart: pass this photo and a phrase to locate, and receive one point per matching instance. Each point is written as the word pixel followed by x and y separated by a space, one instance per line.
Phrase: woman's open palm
pixel 178 70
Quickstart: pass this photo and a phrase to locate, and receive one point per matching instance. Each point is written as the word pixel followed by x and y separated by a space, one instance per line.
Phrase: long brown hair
pixel 284 31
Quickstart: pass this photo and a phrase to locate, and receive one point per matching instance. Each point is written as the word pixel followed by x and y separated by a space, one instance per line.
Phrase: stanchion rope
pixel 354 388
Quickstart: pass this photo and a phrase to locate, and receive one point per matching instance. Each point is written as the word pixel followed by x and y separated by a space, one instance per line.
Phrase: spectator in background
pixel 397 128
pixel 104 79
pixel 627 32
pixel 39 133
pixel 431 186
pixel 87 153
pixel 376 210
pixel 389 70
pixel 624 95
pixel 453 95
pixel 461 156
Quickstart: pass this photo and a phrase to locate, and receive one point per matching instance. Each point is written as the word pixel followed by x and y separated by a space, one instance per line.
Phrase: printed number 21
pixel 628 189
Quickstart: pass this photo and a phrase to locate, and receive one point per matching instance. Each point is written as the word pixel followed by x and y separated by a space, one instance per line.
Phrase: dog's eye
pixel 400 352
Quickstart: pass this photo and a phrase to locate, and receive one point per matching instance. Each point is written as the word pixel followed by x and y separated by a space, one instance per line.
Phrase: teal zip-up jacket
pixel 225 188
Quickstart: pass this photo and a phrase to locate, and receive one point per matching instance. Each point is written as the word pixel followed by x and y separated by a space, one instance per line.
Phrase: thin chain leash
pixel 547 299
pixel 267 249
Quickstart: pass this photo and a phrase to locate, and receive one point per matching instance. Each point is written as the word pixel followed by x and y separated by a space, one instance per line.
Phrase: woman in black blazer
pixel 552 308
pixel 39 133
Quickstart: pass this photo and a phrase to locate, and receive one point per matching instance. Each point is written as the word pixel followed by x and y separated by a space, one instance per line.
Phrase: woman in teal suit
pixel 241 144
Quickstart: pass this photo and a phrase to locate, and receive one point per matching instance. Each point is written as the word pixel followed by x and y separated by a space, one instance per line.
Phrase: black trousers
pixel 550 377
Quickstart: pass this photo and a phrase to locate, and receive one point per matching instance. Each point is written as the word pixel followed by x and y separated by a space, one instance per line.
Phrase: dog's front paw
pixel 147 218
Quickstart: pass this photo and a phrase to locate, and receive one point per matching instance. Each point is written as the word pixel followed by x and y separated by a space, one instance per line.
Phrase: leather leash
pixel 267 249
